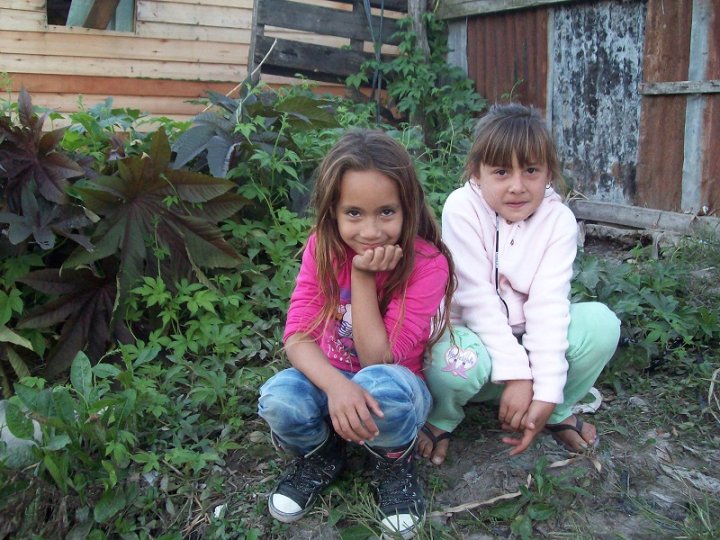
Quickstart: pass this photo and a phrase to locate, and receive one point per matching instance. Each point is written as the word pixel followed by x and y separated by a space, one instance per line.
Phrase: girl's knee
pixel 387 381
pixel 401 394
pixel 597 314
pixel 594 329
pixel 288 396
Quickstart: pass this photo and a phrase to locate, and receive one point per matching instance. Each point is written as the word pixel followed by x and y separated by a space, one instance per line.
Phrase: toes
pixel 579 441
pixel 589 433
pixel 424 447
pixel 440 452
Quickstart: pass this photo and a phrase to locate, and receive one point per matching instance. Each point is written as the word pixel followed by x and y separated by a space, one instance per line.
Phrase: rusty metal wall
pixel 585 62
pixel 595 71
pixel 667 51
pixel 507 55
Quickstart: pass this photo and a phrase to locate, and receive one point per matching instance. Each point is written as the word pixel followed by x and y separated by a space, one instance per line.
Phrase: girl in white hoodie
pixel 516 336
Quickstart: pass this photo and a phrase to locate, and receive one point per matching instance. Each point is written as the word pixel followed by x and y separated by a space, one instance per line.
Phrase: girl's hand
pixel 350 407
pixel 514 403
pixel 379 259
pixel 535 420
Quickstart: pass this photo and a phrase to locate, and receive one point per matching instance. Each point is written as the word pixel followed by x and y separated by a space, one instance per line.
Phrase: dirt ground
pixel 640 483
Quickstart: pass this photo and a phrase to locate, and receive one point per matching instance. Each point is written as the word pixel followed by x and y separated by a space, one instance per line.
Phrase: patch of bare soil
pixel 640 485
pixel 642 482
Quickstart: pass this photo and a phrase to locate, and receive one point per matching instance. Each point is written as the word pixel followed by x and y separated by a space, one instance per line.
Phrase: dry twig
pixel 446 512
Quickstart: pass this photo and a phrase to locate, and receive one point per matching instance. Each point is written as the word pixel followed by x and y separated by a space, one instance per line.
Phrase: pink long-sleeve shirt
pixel 535 259
pixel 408 326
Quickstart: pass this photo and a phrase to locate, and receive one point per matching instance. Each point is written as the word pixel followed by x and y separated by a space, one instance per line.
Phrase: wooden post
pixel 100 14
pixel 416 10
pixel 692 195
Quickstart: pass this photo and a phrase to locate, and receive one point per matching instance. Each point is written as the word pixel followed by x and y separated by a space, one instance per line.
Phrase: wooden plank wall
pixel 662 120
pixel 710 183
pixel 348 36
pixel 177 50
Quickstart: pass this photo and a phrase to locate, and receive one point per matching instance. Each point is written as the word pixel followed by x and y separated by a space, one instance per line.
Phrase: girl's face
pixel 368 212
pixel 515 192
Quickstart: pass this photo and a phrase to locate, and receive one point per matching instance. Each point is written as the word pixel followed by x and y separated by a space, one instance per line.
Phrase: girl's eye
pixel 532 170
pixel 352 213
pixel 500 172
pixel 387 212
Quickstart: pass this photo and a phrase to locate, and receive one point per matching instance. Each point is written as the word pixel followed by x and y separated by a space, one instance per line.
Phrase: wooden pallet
pixel 345 19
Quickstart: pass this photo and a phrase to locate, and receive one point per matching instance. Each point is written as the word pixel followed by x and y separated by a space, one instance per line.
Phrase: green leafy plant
pixel 444 95
pixel 233 130
pixel 546 497
pixel 148 211
pixel 15 344
pixel 661 315
pixel 104 446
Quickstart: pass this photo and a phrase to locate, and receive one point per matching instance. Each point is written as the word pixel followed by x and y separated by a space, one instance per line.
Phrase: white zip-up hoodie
pixel 535 259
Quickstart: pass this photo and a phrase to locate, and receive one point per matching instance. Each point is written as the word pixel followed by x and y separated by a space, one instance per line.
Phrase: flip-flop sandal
pixel 434 439
pixel 554 429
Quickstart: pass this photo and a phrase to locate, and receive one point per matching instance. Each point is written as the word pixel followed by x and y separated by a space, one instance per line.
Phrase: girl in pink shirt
pixel 373 276
pixel 517 338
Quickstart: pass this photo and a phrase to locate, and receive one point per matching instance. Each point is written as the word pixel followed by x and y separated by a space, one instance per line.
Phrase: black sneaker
pixel 308 475
pixel 398 494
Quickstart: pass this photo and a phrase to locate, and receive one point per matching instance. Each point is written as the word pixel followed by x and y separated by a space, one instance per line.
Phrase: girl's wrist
pixel 362 273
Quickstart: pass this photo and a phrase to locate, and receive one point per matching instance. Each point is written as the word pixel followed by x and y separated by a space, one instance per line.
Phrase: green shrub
pixel 668 310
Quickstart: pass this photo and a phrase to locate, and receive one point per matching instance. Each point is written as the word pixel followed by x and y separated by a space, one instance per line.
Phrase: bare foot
pixel 577 436
pixel 434 450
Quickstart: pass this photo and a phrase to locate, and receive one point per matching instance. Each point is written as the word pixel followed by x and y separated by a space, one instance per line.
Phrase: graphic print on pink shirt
pixel 342 346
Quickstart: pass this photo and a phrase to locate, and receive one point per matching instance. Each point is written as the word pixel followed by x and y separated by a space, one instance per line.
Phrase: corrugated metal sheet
pixel 507 52
pixel 667 50
pixel 596 68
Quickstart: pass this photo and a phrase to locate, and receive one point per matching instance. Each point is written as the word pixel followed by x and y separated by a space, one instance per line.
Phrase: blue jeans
pixel 297 410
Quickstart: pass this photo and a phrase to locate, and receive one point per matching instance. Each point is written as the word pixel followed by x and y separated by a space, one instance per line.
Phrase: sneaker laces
pixel 395 486
pixel 309 473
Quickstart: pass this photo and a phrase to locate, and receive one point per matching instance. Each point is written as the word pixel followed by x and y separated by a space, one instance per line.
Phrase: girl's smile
pixel 368 212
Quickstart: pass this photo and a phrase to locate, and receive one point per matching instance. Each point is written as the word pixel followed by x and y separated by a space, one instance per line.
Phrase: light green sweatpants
pixel 457 376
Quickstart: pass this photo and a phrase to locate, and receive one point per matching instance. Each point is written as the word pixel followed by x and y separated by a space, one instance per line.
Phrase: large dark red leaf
pixel 86 307
pixel 30 157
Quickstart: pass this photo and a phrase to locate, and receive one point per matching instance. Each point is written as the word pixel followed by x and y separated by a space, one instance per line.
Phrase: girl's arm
pixel 401 333
pixel 369 333
pixel 350 406
pixel 547 311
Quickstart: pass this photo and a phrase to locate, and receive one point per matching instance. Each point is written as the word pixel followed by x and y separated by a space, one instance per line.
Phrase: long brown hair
pixel 362 150
pixel 512 129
